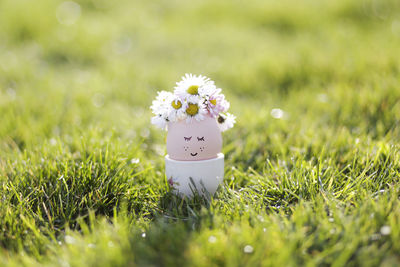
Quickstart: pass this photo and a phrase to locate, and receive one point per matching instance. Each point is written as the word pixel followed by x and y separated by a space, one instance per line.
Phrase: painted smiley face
pixel 191 144
pixel 194 141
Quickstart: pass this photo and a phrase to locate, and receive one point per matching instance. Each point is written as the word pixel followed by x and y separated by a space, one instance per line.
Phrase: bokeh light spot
pixel 277 113
pixel 68 13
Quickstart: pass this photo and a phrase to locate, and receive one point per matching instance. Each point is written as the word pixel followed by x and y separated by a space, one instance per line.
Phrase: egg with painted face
pixel 196 140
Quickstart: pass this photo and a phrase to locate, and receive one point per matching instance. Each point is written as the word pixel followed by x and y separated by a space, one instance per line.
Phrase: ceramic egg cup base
pixel 186 177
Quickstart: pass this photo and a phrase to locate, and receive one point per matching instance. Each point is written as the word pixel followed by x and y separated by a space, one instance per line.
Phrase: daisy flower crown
pixel 194 98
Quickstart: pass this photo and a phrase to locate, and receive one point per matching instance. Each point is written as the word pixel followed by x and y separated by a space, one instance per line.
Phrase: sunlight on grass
pixel 312 166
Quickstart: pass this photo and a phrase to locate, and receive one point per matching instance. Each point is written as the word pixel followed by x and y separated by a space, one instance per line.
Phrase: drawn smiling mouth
pixel 193 154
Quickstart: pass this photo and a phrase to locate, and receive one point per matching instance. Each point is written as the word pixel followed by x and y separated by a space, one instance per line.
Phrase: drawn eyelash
pixel 187 138
pixel 200 138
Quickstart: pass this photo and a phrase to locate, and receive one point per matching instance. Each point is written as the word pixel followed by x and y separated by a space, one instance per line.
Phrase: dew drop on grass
pixel 135 161
pixel 277 113
pixel 69 239
pixel 248 249
pixel 212 239
pixel 385 230
pixel 144 235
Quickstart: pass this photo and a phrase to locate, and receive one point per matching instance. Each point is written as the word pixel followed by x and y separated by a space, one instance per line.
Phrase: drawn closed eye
pixel 187 138
pixel 200 138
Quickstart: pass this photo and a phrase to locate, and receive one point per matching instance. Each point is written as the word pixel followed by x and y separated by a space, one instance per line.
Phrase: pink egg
pixel 198 140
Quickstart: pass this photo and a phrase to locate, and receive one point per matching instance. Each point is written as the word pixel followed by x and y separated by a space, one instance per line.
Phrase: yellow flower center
pixel 193 90
pixel 192 109
pixel 176 104
pixel 213 101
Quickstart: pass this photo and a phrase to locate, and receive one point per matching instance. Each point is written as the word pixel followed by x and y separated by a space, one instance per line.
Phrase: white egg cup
pixel 187 177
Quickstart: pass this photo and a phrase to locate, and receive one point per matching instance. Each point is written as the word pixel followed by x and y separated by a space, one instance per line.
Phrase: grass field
pixel 312 166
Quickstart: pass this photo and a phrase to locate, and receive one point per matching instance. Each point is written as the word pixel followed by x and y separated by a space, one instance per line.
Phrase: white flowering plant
pixel 194 98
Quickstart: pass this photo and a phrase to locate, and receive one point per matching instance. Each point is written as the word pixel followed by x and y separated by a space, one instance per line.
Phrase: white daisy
pixel 161 104
pixel 161 108
pixel 216 103
pixel 194 98
pixel 177 110
pixel 190 85
pixel 226 122
pixel 159 121
pixel 208 89
pixel 195 110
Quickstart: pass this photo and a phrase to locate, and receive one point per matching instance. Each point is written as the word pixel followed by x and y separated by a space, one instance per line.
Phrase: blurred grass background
pixel 312 166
